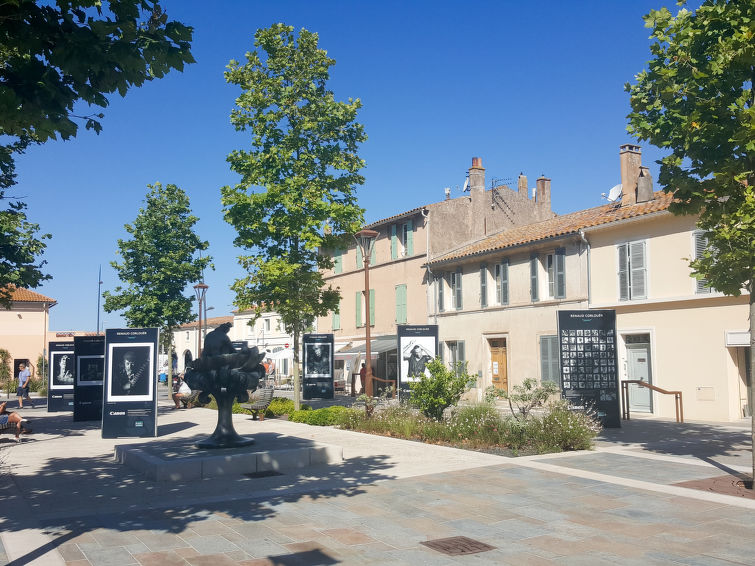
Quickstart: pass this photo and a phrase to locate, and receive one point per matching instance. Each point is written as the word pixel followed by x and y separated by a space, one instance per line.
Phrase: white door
pixel 638 367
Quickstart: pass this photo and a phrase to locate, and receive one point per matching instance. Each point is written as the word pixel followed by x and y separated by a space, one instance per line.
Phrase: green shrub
pixel 562 429
pixel 478 424
pixel 327 416
pixel 525 397
pixel 443 388
pixel 38 385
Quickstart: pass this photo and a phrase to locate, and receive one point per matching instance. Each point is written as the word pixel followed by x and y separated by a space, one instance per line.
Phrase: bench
pixel 259 402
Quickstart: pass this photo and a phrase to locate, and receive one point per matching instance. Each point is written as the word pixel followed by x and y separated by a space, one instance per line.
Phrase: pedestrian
pixel 9 417
pixel 182 392
pixel 24 376
pixel 363 376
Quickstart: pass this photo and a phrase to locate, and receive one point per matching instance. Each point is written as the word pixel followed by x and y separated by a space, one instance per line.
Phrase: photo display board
pixel 589 371
pixel 417 345
pixel 318 366
pixel 60 377
pixel 129 409
pixel 89 361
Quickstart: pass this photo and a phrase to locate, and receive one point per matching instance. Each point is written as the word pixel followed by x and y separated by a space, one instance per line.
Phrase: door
pixel 638 367
pixel 498 372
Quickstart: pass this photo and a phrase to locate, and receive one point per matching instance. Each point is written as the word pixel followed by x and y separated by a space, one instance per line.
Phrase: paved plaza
pixel 66 501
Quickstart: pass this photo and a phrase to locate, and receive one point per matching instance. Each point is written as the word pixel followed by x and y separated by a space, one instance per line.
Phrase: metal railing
pixel 625 398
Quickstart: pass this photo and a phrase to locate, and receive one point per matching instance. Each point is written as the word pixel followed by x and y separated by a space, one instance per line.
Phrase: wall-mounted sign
pixel 60 377
pixel 130 405
pixel 89 360
pixel 318 366
pixel 589 371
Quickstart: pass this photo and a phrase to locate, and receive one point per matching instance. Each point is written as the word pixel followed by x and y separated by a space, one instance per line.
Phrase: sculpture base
pixel 225 442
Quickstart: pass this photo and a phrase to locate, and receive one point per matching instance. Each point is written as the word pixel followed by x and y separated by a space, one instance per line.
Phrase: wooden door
pixel 498 363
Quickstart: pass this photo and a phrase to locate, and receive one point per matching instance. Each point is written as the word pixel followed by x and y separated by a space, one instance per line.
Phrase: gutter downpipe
pixel 430 279
pixel 589 279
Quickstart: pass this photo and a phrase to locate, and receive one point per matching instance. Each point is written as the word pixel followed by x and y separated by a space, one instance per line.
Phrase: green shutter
pixel 560 273
pixel 701 242
pixel 483 285
pixel 638 280
pixel 372 307
pixel 504 298
pixel 549 360
pixel 336 320
pixel 394 243
pixel 458 289
pixel 373 253
pixel 401 304
pixel 440 280
pixel 338 262
pixel 623 262
pixel 534 295
pixel 409 238
pixel 359 309
pixel 360 262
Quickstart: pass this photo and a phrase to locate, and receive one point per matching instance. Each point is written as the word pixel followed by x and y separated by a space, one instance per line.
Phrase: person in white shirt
pixel 183 392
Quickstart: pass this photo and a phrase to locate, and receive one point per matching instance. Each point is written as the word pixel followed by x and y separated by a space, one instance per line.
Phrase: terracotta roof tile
pixel 558 226
pixel 28 296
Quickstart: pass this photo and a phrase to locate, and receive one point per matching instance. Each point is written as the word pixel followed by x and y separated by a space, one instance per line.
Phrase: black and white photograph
pixel 317 356
pixel 130 369
pixel 90 370
pixel 61 367
pixel 416 353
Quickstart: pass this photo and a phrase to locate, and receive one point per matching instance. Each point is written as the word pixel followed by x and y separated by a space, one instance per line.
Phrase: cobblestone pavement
pixel 65 501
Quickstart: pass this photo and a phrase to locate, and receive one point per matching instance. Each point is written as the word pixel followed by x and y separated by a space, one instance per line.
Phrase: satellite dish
pixel 466 184
pixel 614 194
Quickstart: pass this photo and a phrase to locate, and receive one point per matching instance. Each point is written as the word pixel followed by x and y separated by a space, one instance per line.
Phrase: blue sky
pixel 532 87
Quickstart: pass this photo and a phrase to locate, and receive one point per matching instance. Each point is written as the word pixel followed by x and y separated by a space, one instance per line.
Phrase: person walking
pixel 24 375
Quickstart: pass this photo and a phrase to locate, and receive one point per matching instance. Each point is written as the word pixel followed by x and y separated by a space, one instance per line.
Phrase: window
pixel 456 289
pixel 338 262
pixel 483 285
pixel 187 334
pixel 554 265
pixel 550 367
pixel 502 282
pixel 402 240
pixel 632 271
pixel 701 242
pixel 440 283
pixel 337 318
pixel 456 355
pixel 360 308
pixel 401 304
pixel 534 293
pixel 267 324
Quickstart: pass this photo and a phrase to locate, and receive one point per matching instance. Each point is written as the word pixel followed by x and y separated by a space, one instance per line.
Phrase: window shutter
pixel 441 351
pixel 360 262
pixel 359 309
pixel 336 320
pixel 460 351
pixel 483 285
pixel 458 289
pixel 504 298
pixel 549 362
pixel 439 282
pixel 373 253
pixel 623 272
pixel 409 238
pixel 560 273
pixel 533 278
pixel 338 261
pixel 701 242
pixel 637 265
pixel 401 304
pixel 394 243
pixel 372 307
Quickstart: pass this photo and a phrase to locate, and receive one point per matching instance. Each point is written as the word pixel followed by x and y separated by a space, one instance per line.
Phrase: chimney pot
pixel 477 162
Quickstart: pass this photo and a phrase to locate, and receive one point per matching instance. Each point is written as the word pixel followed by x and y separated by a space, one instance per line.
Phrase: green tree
pixel 297 193
pixel 443 388
pixel 6 376
pixel 56 56
pixel 158 263
pixel 696 100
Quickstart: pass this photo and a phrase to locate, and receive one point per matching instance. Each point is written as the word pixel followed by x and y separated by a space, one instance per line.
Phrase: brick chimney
pixel 644 185
pixel 521 185
pixel 543 192
pixel 630 159
pixel 476 175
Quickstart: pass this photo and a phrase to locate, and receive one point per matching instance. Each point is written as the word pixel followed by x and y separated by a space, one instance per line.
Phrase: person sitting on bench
pixel 182 392
pixel 9 418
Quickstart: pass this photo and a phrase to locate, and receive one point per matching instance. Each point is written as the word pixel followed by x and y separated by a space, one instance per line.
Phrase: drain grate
pixel 457 546
pixel 265 474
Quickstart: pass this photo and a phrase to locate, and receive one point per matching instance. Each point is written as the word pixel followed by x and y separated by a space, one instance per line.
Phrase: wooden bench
pixel 259 402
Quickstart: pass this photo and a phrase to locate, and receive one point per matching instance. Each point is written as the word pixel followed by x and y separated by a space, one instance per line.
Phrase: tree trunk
pixel 297 378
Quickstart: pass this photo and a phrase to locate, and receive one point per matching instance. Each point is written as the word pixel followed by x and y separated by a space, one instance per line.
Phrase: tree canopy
pixel 297 193
pixel 158 262
pixel 58 59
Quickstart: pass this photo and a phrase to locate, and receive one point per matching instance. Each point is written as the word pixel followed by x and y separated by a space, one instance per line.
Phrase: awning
pixel 377 346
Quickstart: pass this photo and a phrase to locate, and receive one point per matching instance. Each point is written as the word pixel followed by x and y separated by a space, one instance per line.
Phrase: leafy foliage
pixel 525 397
pixel 20 249
pixel 55 56
pixel 696 99
pixel 6 375
pixel 443 388
pixel 297 189
pixel 327 416
pixel 158 263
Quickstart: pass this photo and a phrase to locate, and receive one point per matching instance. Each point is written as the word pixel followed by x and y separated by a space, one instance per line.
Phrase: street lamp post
pixel 200 289
pixel 366 240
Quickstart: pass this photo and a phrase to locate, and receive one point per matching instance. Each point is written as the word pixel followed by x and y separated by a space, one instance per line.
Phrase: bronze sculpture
pixel 226 374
